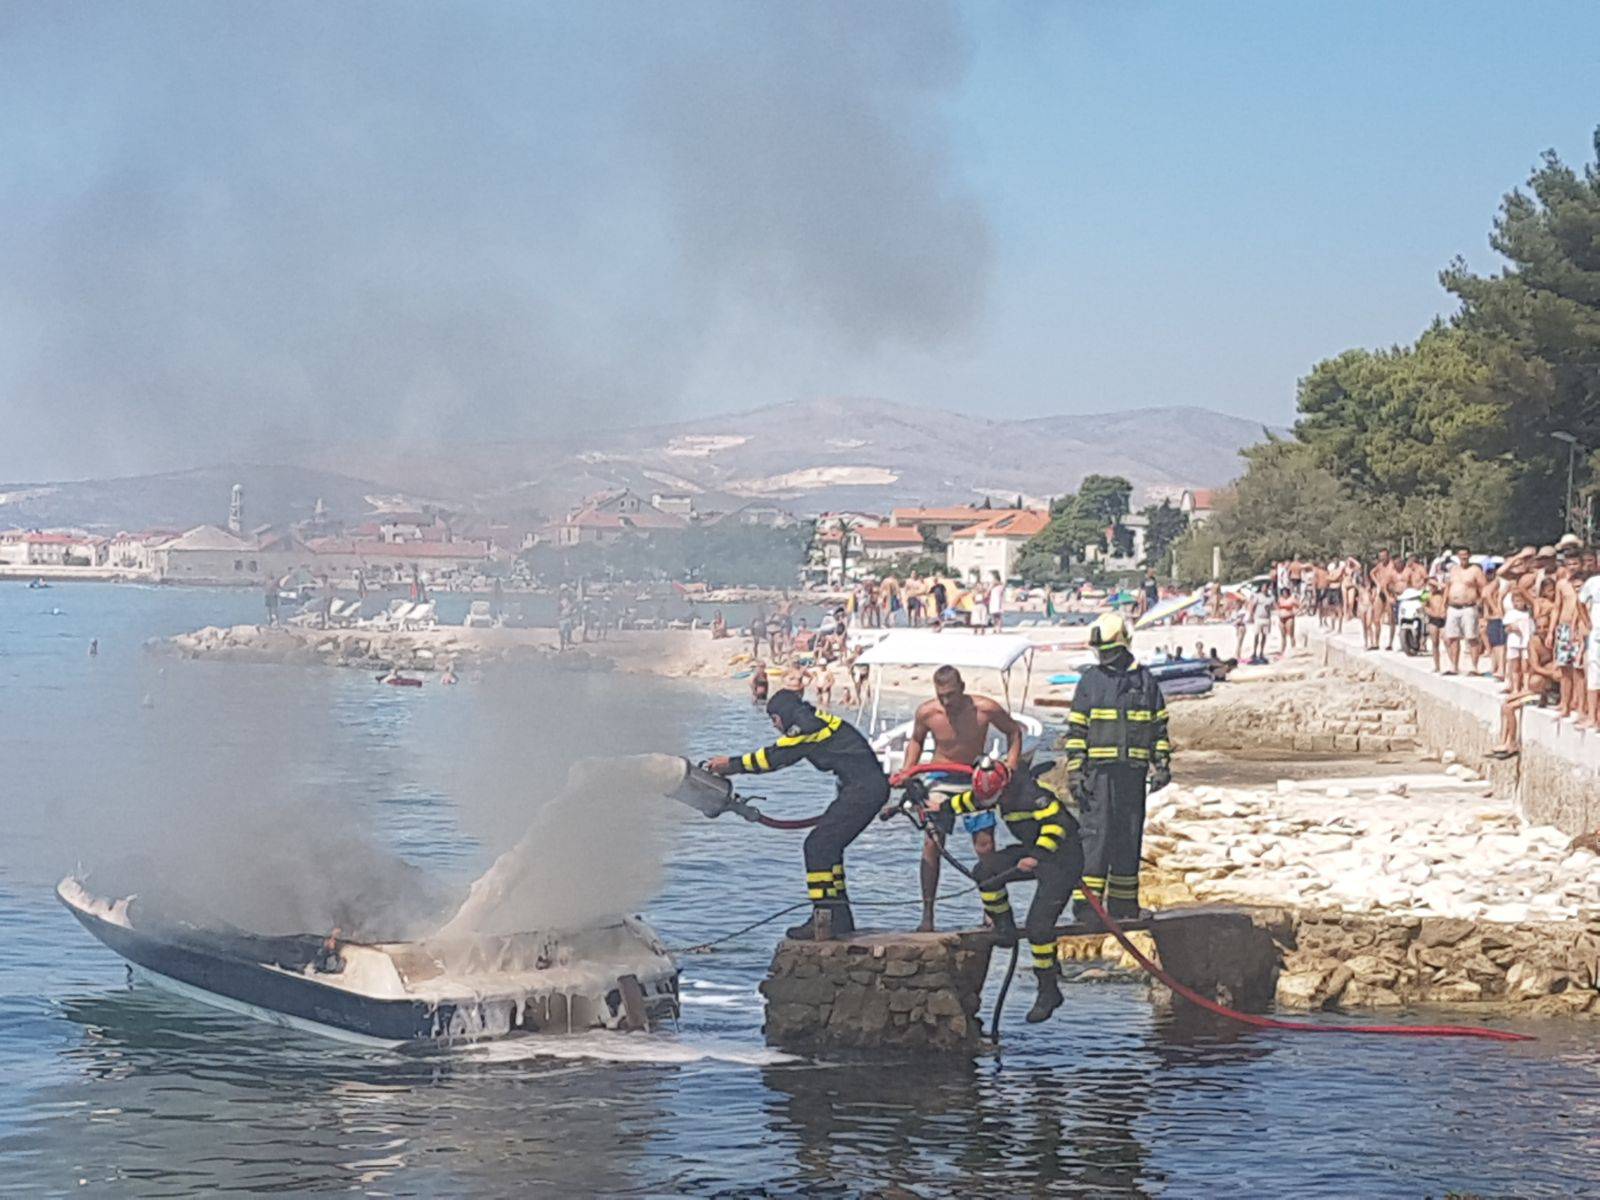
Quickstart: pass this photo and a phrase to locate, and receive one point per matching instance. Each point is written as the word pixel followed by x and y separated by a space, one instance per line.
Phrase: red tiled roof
pixel 1202 497
pixel 890 535
pixel 1008 522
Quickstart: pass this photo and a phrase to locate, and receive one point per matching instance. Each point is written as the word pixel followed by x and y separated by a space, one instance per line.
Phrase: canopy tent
pixel 925 648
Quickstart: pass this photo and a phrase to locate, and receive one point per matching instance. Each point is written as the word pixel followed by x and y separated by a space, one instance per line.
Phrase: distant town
pixel 445 549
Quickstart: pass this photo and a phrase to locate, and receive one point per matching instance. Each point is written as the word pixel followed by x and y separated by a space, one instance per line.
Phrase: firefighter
pixel 829 744
pixel 1047 850
pixel 1116 747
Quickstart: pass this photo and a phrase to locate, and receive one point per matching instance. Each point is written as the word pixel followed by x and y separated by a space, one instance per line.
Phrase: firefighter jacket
pixel 1032 812
pixel 827 742
pixel 1118 717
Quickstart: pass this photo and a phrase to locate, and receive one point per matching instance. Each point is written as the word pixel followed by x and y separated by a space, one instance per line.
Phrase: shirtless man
pixel 960 726
pixel 1379 607
pixel 1568 641
pixel 1463 602
pixel 1494 622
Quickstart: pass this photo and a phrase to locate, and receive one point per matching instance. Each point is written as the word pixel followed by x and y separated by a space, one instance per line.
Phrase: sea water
pixel 107 1089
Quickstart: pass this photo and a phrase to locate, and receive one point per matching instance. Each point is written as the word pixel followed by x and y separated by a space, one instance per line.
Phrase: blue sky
pixel 235 230
pixel 1196 201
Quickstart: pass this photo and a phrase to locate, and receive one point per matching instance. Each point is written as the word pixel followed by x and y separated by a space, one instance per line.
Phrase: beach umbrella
pixel 1170 608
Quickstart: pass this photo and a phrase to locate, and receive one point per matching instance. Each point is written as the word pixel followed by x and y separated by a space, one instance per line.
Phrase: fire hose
pixel 917 814
pixel 1188 993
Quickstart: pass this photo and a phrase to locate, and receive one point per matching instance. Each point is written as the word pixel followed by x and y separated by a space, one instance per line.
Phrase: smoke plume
pixel 251 228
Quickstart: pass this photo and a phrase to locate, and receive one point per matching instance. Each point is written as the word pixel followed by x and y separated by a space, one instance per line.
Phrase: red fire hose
pixel 1222 1010
pixel 1259 1022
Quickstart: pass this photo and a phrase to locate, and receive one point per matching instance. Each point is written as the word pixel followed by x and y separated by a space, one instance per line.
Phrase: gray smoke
pixel 274 800
pixel 238 228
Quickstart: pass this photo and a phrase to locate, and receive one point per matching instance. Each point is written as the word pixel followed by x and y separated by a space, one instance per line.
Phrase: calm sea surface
pixel 112 1090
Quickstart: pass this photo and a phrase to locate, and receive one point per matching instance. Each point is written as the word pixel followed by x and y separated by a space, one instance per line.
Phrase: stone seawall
pixel 1312 710
pixel 1556 778
pixel 1335 959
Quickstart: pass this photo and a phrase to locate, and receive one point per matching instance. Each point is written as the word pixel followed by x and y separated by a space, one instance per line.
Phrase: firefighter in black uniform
pixel 1116 748
pixel 829 744
pixel 1047 850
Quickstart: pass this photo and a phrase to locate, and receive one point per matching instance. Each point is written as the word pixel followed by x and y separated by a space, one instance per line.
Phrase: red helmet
pixel 989 779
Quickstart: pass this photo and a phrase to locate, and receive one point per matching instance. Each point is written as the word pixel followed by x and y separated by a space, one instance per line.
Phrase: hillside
pixel 809 456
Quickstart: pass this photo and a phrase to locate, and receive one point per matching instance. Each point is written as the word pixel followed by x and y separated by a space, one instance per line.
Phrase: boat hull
pixel 275 980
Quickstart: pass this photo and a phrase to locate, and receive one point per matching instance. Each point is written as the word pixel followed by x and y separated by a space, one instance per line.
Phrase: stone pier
pixel 905 991
pixel 924 991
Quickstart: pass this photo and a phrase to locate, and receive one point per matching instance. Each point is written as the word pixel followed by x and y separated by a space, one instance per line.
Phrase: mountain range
pixel 809 457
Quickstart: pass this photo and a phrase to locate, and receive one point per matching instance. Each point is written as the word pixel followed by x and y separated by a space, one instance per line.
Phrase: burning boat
pixel 615 976
pixel 479 973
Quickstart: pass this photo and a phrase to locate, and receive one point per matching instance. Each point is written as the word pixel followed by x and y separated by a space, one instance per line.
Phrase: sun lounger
pixel 421 616
pixel 479 615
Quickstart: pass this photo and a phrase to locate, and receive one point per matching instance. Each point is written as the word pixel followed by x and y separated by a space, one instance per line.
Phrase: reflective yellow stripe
pixel 748 762
pixel 1052 831
pixel 1046 842
pixel 816 893
pixel 762 760
pixel 816 876
pixel 1161 714
pixel 1077 718
pixel 1097 882
pixel 1138 752
pixel 1102 751
pixel 829 728
pixel 964 803
pixel 1076 744
pixel 1138 714
pixel 1103 714
pixel 1163 746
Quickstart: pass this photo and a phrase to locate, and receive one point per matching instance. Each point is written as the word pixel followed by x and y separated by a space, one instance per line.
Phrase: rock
pixel 1456 991
pixel 1369 995
pixel 1443 931
pixel 1525 982
pixel 899 968
pixel 1372 970
pixel 1303 989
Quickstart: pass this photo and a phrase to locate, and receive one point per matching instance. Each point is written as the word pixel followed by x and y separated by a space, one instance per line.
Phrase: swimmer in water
pixel 94 647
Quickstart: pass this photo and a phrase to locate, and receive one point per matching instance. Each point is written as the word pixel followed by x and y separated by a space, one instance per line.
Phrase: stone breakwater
pixel 1334 959
pixel 375 649
pixel 908 991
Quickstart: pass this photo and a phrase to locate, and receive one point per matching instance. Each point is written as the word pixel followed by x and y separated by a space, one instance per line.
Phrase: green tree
pixel 1103 499
pixel 1164 525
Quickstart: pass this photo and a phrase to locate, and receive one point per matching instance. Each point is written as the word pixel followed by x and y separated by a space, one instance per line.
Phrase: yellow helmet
pixel 1109 631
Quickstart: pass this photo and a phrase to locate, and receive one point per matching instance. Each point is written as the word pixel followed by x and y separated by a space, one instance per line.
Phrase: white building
pixel 207 554
pixel 980 552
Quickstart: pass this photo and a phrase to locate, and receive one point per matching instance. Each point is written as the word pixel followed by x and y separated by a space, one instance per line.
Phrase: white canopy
pixel 925 648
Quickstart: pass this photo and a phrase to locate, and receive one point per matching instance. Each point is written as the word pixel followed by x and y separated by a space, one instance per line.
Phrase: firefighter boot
pixel 1049 998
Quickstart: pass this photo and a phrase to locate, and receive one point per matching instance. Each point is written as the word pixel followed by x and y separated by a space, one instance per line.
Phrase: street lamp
pixel 1561 435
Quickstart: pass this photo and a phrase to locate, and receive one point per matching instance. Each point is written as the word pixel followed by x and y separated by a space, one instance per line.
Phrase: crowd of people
pixel 1529 620
pixel 932 602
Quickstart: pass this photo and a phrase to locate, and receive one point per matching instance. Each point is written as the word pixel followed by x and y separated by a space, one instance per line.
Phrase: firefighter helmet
pixel 1109 631
pixel 989 779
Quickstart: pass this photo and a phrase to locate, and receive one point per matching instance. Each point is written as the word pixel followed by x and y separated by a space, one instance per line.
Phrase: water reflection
pixel 183 1099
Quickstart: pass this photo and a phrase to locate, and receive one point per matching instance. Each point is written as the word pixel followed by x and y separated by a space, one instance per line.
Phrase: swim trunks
pixel 1496 629
pixel 1566 646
